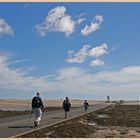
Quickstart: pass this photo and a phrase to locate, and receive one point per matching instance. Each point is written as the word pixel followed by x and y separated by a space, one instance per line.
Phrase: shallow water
pixel 12 108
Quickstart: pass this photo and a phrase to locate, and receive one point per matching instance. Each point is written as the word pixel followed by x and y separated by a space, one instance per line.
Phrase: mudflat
pixel 16 104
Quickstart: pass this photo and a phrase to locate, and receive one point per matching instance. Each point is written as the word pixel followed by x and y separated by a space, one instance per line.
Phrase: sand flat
pixel 17 104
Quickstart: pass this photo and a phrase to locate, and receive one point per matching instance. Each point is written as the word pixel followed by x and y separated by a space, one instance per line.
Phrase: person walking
pixel 86 105
pixel 37 106
pixel 66 106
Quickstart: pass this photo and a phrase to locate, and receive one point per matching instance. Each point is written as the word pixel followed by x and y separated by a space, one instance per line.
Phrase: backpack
pixel 66 104
pixel 36 102
pixel 86 104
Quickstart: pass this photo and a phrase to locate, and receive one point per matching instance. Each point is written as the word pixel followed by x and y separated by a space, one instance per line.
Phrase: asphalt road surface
pixel 11 126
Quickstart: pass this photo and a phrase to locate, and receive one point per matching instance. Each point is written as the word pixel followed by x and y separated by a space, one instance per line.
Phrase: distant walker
pixel 86 105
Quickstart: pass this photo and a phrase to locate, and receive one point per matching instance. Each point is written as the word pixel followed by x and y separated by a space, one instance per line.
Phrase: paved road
pixel 11 126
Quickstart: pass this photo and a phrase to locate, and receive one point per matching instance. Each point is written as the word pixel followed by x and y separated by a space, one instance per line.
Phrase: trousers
pixel 38 114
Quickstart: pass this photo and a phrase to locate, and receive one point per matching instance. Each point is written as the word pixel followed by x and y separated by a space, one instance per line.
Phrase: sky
pixel 80 50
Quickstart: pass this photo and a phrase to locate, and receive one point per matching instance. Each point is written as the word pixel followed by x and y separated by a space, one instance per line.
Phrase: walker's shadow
pixel 57 117
pixel 21 127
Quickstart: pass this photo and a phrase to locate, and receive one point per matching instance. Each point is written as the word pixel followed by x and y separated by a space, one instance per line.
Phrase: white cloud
pixel 5 28
pixel 17 61
pixel 27 6
pixel 97 62
pixel 78 57
pixel 68 74
pixel 124 76
pixel 58 21
pixel 76 81
pixel 80 20
pixel 85 52
pixel 115 47
pixel 17 78
pixel 95 25
pixel 98 51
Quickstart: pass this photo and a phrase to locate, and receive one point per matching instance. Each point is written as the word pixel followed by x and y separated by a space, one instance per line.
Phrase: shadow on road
pixel 57 118
pixel 21 127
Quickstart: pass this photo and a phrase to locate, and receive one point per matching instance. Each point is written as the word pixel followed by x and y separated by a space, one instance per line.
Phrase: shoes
pixel 36 124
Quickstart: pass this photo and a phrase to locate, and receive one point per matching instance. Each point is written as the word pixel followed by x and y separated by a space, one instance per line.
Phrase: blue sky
pixel 79 50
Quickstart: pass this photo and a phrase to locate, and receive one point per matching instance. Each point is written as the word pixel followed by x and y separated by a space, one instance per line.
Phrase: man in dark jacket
pixel 86 105
pixel 37 106
pixel 66 106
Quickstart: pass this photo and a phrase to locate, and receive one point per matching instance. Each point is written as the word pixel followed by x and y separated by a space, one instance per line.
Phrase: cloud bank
pixel 71 80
